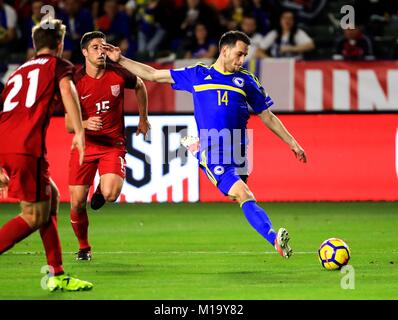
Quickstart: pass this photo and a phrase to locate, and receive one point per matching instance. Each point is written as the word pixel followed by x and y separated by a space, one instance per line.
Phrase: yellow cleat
pixel 64 282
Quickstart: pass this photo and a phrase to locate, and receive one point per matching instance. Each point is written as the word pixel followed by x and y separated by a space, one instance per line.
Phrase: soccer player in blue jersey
pixel 221 95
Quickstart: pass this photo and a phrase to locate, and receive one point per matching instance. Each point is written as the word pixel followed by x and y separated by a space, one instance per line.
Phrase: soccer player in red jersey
pixel 100 86
pixel 27 101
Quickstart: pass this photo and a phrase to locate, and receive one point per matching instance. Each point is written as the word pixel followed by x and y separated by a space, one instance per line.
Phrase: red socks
pixel 52 244
pixel 17 229
pixel 80 227
pixel 12 232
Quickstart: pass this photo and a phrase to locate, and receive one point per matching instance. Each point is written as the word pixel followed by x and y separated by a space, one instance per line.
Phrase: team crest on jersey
pixel 218 170
pixel 115 90
pixel 238 81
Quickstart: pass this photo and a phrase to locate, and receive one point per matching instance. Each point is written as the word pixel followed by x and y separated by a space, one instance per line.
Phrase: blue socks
pixel 259 220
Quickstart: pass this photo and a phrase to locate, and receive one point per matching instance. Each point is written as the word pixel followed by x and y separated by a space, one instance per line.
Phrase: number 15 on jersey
pixel 102 106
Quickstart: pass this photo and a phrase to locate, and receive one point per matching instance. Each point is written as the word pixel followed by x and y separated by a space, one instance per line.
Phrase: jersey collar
pixel 218 70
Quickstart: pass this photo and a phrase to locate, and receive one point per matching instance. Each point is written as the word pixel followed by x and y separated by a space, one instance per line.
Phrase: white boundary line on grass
pixel 165 252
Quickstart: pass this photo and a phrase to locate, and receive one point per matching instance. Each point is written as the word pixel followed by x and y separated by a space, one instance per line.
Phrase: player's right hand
pixel 4 180
pixel 299 152
pixel 79 143
pixel 94 123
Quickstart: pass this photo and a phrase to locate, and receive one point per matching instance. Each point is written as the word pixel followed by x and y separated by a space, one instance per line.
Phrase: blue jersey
pixel 221 105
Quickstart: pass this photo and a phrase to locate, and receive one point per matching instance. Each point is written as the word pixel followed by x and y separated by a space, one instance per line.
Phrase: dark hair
pixel 231 37
pixel 88 36
pixel 49 33
pixel 293 31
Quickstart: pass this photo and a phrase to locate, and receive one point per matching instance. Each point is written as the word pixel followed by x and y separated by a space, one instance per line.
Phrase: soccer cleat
pixel 66 283
pixel 282 243
pixel 84 254
pixel 97 200
pixel 191 143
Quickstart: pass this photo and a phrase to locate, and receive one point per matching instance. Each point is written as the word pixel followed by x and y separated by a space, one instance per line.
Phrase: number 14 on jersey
pixel 222 97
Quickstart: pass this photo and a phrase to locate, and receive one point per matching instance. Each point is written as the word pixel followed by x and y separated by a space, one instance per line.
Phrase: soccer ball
pixel 333 254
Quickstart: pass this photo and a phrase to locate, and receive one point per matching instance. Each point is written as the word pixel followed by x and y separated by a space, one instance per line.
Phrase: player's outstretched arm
pixel 139 69
pixel 72 106
pixel 277 127
pixel 142 99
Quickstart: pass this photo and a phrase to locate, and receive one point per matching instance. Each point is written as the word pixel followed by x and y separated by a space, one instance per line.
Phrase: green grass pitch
pixel 210 252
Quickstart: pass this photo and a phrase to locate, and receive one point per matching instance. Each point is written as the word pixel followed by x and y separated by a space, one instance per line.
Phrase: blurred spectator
pixel 249 26
pixel 95 7
pixel 115 24
pixel 201 46
pixel 307 11
pixel 219 5
pixel 232 16
pixel 261 10
pixel 8 28
pixel 78 21
pixel 368 11
pixel 194 11
pixel 375 14
pixel 354 45
pixel 23 9
pixel 152 25
pixel 287 40
pixel 130 7
pixel 29 23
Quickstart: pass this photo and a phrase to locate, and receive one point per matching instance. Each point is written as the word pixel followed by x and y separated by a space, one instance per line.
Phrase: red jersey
pixel 27 104
pixel 104 97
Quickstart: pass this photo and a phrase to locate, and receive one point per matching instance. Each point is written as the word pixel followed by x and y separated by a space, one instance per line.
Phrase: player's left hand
pixel 112 52
pixel 143 126
pixel 299 152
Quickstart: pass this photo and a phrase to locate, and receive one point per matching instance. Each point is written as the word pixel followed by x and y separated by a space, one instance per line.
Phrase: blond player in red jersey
pixel 100 86
pixel 27 101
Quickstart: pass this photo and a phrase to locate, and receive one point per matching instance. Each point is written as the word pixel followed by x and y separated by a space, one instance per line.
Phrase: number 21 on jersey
pixel 222 97
pixel 17 80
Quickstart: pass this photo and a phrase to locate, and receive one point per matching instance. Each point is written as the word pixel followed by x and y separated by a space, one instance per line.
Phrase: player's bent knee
pixel 244 194
pixel 78 198
pixel 78 203
pixel 110 197
pixel 78 206
pixel 111 194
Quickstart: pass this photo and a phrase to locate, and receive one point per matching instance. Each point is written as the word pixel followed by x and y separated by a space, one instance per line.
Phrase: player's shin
pixel 12 232
pixel 79 221
pixel 259 220
pixel 52 244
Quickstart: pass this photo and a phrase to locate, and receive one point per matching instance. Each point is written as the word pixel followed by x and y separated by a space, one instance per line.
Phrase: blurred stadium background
pixel 338 97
